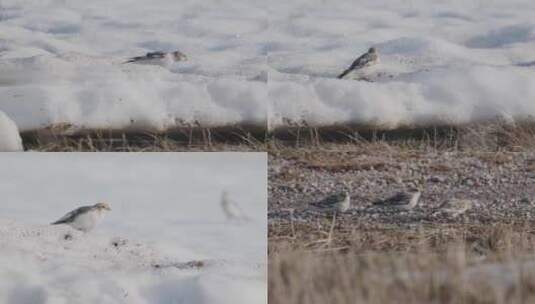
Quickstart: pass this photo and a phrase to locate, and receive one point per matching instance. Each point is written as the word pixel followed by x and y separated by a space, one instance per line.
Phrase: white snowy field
pixel 252 62
pixel 61 62
pixel 165 212
pixel 449 62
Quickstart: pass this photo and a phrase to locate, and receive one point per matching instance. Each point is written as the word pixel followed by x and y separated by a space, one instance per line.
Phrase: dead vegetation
pixel 493 135
pixel 483 257
pixel 433 264
pixel 489 136
pixel 230 138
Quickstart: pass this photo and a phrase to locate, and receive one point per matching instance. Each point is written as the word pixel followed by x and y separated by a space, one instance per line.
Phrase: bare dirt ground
pixel 379 255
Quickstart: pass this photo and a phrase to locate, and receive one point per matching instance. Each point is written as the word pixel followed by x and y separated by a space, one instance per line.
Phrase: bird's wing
pixel 361 61
pixel 329 201
pixel 344 73
pixel 69 217
pixel 150 55
pixel 134 59
pixel 154 55
pixel 395 200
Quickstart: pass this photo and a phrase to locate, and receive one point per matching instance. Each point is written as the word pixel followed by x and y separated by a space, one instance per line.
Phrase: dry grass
pixel 492 135
pixel 205 139
pixel 329 261
pixel 488 136
pixel 435 264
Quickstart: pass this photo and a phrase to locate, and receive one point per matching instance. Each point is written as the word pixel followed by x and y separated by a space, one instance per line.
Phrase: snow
pixel 10 140
pixel 61 63
pixel 165 213
pixel 441 63
pixel 252 62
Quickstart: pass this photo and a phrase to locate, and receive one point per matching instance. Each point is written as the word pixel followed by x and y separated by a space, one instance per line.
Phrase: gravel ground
pixel 501 185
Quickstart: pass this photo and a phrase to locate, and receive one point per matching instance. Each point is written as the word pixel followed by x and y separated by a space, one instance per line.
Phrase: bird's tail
pixel 344 73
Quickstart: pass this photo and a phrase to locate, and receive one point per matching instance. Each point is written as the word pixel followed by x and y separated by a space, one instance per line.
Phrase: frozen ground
pixel 165 213
pixel 447 62
pixel 61 62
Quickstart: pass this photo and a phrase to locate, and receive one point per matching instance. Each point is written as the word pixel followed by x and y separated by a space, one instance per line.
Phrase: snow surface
pixel 10 140
pixel 61 62
pixel 165 213
pixel 253 61
pixel 441 62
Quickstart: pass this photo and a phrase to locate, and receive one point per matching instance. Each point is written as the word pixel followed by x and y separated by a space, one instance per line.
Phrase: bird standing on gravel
pixel 404 200
pixel 84 218
pixel 159 58
pixel 455 207
pixel 232 211
pixel 337 202
pixel 366 60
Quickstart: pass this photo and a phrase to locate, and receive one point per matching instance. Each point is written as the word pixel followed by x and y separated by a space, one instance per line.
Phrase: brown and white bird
pixel 159 58
pixel 455 207
pixel 84 218
pixel 366 60
pixel 404 200
pixel 336 202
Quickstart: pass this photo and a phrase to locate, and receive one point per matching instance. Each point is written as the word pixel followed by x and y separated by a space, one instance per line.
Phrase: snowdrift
pixel 166 239
pixel 441 63
pixel 43 264
pixel 252 63
pixel 10 140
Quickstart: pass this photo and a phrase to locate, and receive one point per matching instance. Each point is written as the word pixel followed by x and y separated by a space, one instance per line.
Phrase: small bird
pixel 366 60
pixel 159 58
pixel 404 200
pixel 455 207
pixel 232 211
pixel 84 218
pixel 339 202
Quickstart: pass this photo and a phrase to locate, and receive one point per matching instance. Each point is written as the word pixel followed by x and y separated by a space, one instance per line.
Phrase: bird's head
pixel 102 206
pixel 372 50
pixel 179 56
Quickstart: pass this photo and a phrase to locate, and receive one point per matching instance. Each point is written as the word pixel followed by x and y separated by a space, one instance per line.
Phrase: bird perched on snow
pixel 336 202
pixel 404 200
pixel 159 58
pixel 455 207
pixel 232 211
pixel 84 218
pixel 366 60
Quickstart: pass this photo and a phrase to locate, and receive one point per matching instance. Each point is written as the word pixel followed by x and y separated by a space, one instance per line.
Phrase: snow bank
pixel 165 213
pixel 89 92
pixel 66 68
pixel 451 62
pixel 56 263
pixel 439 96
pixel 10 140
pixel 252 62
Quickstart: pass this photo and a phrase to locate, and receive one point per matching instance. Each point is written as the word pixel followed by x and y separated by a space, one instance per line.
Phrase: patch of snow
pixel 166 239
pixel 251 62
pixel 62 64
pixel 10 140
pixel 450 62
